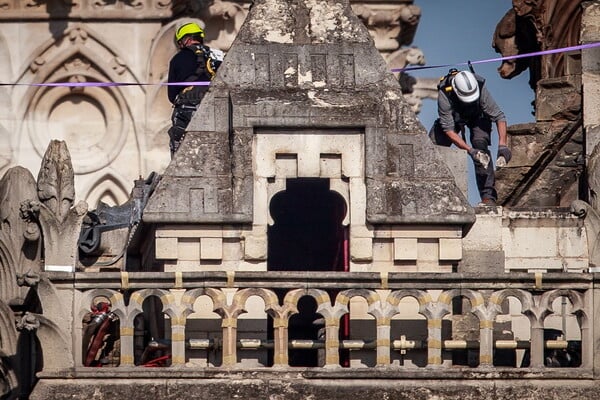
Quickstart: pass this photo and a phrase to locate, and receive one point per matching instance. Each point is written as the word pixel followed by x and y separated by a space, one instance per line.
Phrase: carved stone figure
pixel 533 25
pixel 8 348
pixel 406 56
pixel 390 28
pixel 515 35
pixel 19 239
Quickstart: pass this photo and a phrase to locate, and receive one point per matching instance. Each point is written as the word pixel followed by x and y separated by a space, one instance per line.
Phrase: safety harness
pixel 187 101
pixel 208 62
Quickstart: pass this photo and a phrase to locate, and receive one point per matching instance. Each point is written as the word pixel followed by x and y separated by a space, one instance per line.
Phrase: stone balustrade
pixel 376 297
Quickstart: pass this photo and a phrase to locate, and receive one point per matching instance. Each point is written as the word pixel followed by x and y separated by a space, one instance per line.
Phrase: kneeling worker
pixel 463 100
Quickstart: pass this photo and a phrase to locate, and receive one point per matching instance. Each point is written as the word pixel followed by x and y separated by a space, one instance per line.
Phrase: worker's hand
pixel 479 157
pixel 504 156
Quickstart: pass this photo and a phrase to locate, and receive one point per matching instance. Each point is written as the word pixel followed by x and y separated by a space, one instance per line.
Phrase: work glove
pixel 504 156
pixel 480 157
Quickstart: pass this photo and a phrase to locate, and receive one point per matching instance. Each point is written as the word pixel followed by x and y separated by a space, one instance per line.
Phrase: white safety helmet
pixel 465 86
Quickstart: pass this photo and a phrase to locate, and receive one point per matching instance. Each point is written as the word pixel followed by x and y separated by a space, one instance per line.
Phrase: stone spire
pixel 305 66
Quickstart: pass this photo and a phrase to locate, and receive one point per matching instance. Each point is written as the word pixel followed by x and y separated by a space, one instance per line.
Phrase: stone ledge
pixel 332 389
pixel 299 373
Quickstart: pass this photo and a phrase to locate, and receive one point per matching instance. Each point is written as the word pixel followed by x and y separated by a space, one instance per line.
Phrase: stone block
pixel 558 98
pixel 572 242
pixel 456 160
pixel 330 165
pixel 166 248
pixel 590 22
pixel 482 261
pixel 361 249
pixel 419 232
pixel 405 249
pixel 450 249
pixel 255 247
pixel 576 264
pixel 188 249
pixel 428 251
pixel 190 231
pixel 534 264
pixel 532 242
pixel 314 151
pixel 357 206
pixel 211 248
pixel 485 234
pixel 383 250
pixel 232 250
pixel 286 165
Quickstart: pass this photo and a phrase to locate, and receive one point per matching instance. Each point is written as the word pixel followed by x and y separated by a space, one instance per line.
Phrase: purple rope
pixel 205 83
pixel 487 60
pixel 105 84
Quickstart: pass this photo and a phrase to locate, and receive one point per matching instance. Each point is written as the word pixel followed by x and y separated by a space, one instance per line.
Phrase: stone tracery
pixel 80 59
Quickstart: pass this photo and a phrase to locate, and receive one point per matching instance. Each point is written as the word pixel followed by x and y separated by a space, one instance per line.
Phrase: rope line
pixel 496 59
pixel 405 69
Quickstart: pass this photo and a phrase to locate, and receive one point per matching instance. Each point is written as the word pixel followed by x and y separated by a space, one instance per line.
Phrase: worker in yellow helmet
pixel 194 62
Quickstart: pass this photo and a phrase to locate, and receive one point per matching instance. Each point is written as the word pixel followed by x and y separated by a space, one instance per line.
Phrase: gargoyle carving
pixel 533 25
pixel 8 348
pixel 390 28
pixel 19 239
pixel 406 56
pixel 28 322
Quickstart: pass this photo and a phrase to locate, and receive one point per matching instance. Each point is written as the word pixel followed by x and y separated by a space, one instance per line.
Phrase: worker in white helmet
pixel 464 101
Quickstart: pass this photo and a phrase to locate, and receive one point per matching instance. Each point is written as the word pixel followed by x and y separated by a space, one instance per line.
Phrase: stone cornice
pixel 88 9
pixel 130 9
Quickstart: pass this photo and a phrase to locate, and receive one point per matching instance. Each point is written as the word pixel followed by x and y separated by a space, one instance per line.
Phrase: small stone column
pixel 434 342
pixel 383 341
pixel 280 357
pixel 537 345
pixel 332 342
pixel 126 334
pixel 178 341
pixel 229 326
pixel 486 342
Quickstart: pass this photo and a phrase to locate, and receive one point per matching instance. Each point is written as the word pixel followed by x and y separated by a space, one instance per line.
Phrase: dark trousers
pixel 480 135
pixel 481 131
pixel 180 118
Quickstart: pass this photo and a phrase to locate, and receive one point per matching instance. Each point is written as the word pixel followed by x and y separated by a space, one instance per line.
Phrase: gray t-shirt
pixel 488 106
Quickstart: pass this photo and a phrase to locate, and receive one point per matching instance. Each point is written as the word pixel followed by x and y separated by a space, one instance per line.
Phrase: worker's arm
pixel 447 122
pixel 501 127
pixel 457 139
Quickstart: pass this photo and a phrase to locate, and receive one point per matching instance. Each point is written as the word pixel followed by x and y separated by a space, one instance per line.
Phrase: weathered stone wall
pixel 547 168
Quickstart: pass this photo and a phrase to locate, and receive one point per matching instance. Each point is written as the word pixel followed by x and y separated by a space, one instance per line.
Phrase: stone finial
pixel 53 209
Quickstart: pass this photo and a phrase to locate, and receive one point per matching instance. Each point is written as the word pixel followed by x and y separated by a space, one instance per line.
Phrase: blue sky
pixel 456 31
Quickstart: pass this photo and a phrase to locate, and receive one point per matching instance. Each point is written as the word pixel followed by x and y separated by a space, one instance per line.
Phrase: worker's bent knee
pixel 480 144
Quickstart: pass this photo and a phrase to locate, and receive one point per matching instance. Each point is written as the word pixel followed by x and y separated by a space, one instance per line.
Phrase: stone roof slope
pixel 312 65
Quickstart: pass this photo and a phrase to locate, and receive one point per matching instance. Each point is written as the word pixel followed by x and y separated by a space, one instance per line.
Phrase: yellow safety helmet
pixel 190 28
